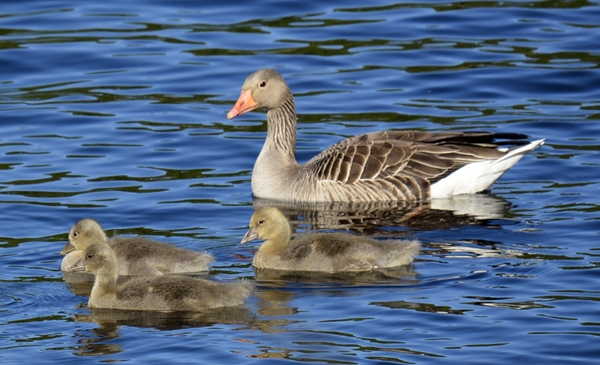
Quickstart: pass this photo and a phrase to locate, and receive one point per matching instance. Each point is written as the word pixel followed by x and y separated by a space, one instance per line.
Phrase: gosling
pixel 136 255
pixel 158 293
pixel 326 252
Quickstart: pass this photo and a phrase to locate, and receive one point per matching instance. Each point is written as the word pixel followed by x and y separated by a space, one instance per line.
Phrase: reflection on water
pixel 402 275
pixel 94 342
pixel 368 217
pixel 420 307
pixel 472 249
pixel 79 282
pixel 168 320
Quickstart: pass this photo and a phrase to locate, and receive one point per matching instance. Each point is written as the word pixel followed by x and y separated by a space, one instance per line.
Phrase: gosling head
pixel 267 223
pixel 98 257
pixel 85 233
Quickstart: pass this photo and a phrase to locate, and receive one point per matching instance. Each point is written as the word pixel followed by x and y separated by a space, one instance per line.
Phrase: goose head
pixel 98 258
pixel 264 88
pixel 267 223
pixel 83 234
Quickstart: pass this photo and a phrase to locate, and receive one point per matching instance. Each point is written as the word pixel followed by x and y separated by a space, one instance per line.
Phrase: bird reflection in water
pixel 94 342
pixel 370 217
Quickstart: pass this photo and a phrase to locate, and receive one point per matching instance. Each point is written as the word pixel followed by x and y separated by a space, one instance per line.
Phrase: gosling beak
pixel 249 236
pixel 244 104
pixel 68 248
pixel 77 266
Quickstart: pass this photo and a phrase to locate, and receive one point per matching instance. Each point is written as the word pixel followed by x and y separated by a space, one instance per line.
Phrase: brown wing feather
pixel 406 160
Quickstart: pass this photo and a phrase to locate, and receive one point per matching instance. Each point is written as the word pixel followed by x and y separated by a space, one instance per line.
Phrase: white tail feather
pixel 479 176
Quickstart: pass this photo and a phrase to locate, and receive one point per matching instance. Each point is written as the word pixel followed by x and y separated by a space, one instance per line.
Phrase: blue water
pixel 116 111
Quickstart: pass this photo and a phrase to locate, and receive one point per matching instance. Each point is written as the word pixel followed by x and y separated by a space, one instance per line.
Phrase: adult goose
pixel 159 293
pixel 136 255
pixel 327 252
pixel 379 166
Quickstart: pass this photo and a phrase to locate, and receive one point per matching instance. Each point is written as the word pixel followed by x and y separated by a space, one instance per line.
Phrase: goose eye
pixel 261 221
pixel 75 234
pixel 90 255
pixel 262 84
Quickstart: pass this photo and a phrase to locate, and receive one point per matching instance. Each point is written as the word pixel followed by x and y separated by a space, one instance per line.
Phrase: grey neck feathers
pixel 282 236
pixel 281 130
pixel 106 281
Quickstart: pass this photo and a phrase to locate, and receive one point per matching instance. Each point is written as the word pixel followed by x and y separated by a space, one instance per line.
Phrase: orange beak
pixel 243 105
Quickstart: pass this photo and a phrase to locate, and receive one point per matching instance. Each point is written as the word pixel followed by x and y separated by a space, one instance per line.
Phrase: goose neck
pixel 105 284
pixel 279 239
pixel 281 130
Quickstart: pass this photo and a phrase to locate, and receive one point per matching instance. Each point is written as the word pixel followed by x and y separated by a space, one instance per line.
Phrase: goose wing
pixel 406 157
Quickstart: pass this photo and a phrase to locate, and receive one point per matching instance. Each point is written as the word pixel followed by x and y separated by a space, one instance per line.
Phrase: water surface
pixel 116 111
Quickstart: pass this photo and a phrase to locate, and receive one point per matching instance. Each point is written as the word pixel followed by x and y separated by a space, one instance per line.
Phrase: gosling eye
pixel 260 222
pixel 75 234
pixel 262 84
pixel 90 255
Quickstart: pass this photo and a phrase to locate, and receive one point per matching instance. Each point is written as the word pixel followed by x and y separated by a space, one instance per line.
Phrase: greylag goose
pixel 379 166
pixel 137 255
pixel 160 293
pixel 328 252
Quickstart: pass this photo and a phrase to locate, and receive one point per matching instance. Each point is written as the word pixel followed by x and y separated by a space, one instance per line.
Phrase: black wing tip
pixel 498 139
